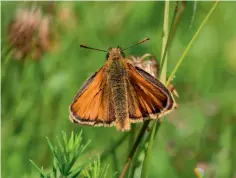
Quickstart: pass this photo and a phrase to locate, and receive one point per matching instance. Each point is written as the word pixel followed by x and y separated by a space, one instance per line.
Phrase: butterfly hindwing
pixel 92 106
pixel 147 97
pixel 170 102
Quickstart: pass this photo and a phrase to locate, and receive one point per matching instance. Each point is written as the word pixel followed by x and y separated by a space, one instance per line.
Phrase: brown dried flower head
pixel 29 33
pixel 151 66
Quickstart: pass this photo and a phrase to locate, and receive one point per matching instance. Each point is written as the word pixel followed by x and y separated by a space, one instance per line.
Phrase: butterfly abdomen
pixel 117 82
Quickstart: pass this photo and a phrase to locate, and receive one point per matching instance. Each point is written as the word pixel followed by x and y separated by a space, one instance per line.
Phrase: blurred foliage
pixel 37 90
pixel 65 157
pixel 95 170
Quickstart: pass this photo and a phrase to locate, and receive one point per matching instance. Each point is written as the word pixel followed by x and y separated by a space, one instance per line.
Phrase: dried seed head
pixel 44 33
pixel 152 67
pixel 173 90
pixel 29 33
pixel 23 27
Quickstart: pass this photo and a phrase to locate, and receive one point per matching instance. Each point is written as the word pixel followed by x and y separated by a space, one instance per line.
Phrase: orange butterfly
pixel 120 93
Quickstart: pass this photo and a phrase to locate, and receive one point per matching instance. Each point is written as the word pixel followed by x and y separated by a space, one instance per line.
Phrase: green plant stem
pixel 148 156
pixel 115 160
pixel 132 137
pixel 164 42
pixel 156 124
pixel 134 148
pixel 177 19
pixel 113 147
pixel 191 42
pixel 174 24
pixel 232 149
pixel 194 13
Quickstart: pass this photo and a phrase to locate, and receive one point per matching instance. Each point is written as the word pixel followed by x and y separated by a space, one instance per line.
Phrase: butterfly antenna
pixel 144 40
pixel 84 46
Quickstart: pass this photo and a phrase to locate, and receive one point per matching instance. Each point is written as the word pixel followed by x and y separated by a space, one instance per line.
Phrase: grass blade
pixel 164 42
pixel 191 42
pixel 42 174
pixel 173 28
pixel 148 155
pixel 194 14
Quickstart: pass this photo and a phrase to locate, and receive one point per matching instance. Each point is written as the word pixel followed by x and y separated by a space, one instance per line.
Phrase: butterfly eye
pixel 107 56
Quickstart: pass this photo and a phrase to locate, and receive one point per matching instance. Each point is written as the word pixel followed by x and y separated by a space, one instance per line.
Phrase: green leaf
pixel 66 152
pixel 54 168
pixel 95 170
pixel 76 171
pixel 53 150
pixel 42 174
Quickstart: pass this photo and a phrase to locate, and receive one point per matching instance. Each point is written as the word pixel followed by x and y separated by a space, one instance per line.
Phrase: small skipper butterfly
pixel 119 94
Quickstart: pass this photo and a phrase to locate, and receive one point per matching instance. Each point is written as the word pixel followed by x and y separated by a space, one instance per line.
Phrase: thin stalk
pixel 173 28
pixel 232 148
pixel 115 160
pixel 156 125
pixel 132 137
pixel 177 19
pixel 134 148
pixel 148 156
pixel 168 40
pixel 191 42
pixel 113 147
pixel 164 42
pixel 194 14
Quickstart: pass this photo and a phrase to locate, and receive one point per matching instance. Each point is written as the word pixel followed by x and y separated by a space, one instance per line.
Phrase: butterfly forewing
pixel 92 105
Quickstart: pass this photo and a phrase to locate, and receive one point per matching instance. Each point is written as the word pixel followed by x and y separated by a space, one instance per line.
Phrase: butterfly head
pixel 115 53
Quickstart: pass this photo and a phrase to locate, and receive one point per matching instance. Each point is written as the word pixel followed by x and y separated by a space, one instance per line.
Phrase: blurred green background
pixel 37 90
